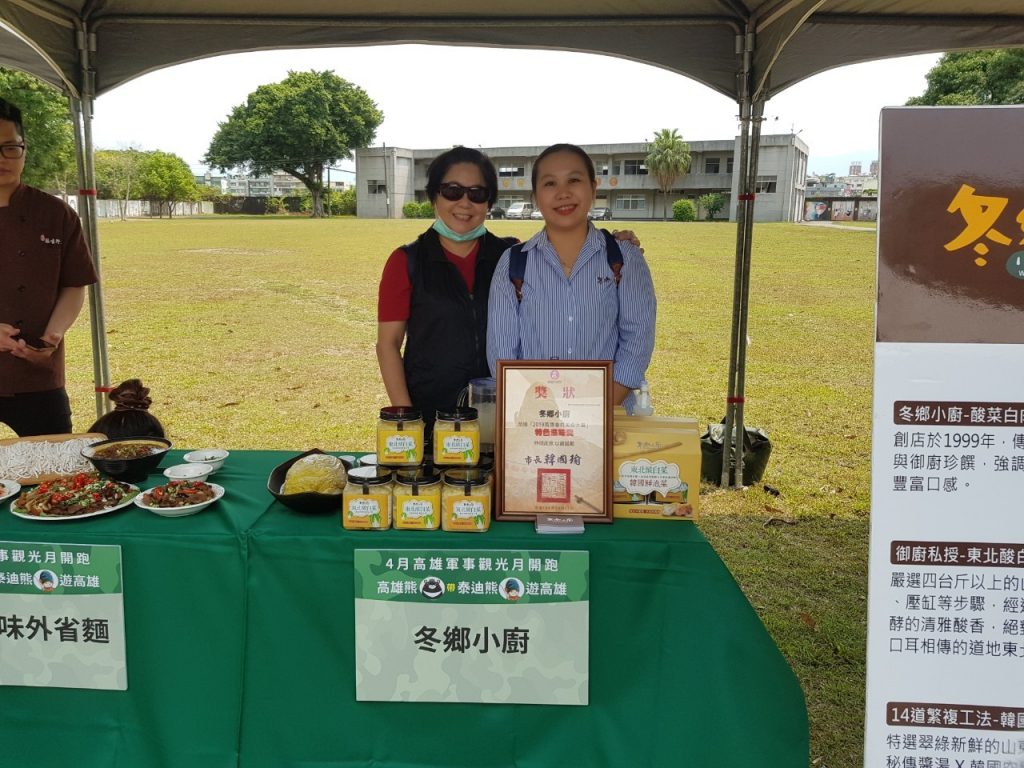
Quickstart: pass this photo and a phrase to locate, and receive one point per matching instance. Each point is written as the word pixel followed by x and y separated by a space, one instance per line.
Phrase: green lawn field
pixel 259 332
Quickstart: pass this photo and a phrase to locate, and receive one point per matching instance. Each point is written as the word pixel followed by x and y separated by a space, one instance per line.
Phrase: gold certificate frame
pixel 553 432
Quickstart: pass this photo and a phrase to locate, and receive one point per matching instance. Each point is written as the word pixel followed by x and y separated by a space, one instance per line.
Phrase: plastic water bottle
pixel 642 405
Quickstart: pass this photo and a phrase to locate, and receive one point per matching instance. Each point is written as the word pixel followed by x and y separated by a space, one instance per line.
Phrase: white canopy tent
pixel 746 49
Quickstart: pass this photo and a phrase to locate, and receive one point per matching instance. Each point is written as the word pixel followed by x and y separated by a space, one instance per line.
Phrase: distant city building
pixel 390 177
pixel 277 184
pixel 855 167
pixel 873 168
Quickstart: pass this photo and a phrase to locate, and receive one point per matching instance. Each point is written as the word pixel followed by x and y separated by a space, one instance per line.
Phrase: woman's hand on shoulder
pixel 627 236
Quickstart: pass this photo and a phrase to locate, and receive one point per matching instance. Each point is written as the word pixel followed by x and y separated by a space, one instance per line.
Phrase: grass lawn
pixel 259 332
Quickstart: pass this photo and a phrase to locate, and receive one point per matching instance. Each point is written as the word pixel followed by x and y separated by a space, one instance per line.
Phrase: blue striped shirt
pixel 580 317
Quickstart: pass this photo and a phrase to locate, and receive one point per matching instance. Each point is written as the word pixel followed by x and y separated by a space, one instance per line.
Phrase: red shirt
pixel 395 293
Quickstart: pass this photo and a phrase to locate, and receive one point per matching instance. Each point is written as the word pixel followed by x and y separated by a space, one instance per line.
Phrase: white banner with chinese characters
pixel 480 626
pixel 62 616
pixel 946 583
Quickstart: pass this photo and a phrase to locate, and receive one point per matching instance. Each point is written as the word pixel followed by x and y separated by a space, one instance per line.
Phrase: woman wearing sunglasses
pixel 433 293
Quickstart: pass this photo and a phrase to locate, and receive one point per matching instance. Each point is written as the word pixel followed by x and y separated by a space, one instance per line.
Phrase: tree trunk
pixel 318 202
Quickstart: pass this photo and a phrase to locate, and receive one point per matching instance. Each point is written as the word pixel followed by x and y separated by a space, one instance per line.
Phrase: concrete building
pixel 390 177
pixel 277 184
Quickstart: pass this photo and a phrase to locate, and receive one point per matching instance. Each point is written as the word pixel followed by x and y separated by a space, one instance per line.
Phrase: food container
pixel 418 500
pixel 194 471
pixel 466 500
pixel 400 437
pixel 311 503
pixel 457 438
pixel 215 457
pixel 128 459
pixel 368 499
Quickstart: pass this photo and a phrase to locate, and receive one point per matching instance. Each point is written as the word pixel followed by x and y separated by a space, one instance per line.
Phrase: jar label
pixel 399 443
pixel 467 508
pixel 417 508
pixel 458 444
pixel 364 508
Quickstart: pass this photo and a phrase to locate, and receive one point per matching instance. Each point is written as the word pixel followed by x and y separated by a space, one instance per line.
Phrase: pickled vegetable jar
pixel 457 438
pixel 400 437
pixel 466 500
pixel 418 500
pixel 367 499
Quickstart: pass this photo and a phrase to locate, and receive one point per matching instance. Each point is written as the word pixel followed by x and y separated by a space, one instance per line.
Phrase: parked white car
pixel 519 211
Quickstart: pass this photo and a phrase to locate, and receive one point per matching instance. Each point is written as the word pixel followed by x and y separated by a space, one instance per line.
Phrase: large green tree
pixel 975 77
pixel 308 120
pixel 166 179
pixel 668 158
pixel 50 161
pixel 117 175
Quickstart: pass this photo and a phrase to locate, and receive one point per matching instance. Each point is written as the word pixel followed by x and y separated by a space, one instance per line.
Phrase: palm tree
pixel 667 159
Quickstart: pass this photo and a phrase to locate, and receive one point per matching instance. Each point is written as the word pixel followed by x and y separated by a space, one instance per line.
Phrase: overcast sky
pixel 437 96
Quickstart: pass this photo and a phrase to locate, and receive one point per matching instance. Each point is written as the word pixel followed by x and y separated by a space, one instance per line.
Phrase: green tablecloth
pixel 240 653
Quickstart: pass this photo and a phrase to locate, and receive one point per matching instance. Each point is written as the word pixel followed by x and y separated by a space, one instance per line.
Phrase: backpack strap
pixel 517 262
pixel 615 260
pixel 517 268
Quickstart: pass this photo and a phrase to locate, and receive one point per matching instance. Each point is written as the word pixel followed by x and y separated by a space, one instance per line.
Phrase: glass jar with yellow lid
pixel 367 499
pixel 457 438
pixel 418 499
pixel 466 500
pixel 400 437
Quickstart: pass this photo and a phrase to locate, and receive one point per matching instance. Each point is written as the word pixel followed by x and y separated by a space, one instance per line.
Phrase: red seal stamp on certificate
pixel 554 485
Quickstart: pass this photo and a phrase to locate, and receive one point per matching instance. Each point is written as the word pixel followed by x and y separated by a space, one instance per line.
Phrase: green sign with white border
pixel 480 626
pixel 62 616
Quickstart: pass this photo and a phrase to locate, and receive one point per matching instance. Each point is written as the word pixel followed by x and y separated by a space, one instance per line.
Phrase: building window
pixel 712 164
pixel 728 165
pixel 634 168
pixel 602 169
pixel 506 202
pixel 511 171
pixel 631 202
pixel 765 185
pixel 375 187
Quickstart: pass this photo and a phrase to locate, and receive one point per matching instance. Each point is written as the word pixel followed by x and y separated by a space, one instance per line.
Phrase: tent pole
pixel 741 216
pixel 739 432
pixel 751 115
pixel 81 110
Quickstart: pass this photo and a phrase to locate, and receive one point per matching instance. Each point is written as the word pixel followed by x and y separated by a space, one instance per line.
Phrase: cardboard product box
pixel 655 467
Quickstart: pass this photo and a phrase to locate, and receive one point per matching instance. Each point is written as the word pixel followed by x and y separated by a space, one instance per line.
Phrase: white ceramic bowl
pixel 191 471
pixel 191 509
pixel 212 456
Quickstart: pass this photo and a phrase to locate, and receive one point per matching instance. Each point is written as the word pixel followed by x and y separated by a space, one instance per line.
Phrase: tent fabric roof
pixel 703 39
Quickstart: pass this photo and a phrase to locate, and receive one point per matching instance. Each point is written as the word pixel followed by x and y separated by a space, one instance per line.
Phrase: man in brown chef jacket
pixel 44 270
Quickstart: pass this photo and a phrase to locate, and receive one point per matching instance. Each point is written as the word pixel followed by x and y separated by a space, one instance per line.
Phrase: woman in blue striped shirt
pixel 573 306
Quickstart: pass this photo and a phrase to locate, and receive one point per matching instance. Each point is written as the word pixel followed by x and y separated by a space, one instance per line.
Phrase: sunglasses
pixel 14 151
pixel 452 191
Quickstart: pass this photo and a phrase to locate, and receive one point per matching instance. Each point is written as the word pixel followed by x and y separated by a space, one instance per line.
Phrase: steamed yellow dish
pixel 317 473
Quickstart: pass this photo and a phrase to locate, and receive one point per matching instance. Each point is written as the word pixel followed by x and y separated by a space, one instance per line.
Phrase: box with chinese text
pixel 655 467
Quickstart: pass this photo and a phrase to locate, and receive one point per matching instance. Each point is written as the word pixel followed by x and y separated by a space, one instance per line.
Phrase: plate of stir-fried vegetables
pixel 73 497
pixel 180 497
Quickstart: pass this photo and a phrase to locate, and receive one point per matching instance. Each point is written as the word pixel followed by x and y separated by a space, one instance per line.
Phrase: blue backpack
pixel 517 262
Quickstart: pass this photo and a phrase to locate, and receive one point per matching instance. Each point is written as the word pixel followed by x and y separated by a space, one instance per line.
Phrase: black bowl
pixel 310 503
pixel 129 470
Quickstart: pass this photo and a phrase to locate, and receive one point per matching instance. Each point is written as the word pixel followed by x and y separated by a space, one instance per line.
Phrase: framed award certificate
pixel 553 439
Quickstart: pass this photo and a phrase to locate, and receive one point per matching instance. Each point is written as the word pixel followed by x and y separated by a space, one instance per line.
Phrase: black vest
pixel 446 335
